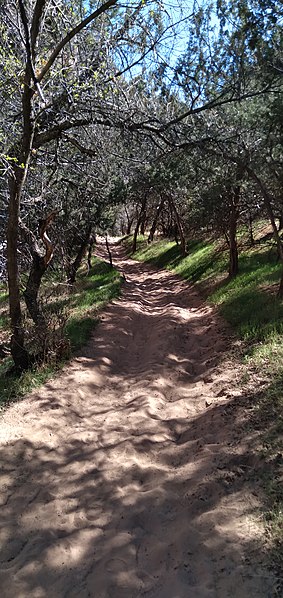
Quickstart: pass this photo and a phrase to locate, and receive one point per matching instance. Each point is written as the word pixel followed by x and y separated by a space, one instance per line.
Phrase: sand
pixel 126 476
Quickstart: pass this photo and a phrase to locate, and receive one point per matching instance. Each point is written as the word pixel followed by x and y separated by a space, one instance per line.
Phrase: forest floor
pixel 134 473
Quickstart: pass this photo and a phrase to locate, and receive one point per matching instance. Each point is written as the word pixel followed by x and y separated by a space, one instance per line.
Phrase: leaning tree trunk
pixel 155 221
pixel 39 266
pixel 73 268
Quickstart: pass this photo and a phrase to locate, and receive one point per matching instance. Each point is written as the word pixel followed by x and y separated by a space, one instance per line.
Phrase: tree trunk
pixel 267 202
pixel 91 244
pixel 22 154
pixel 280 226
pixel 134 245
pixel 180 228
pixel 155 221
pixel 129 222
pixel 73 268
pixel 108 251
pixel 141 214
pixel 232 231
pixel 251 234
pixel 39 266
pixel 143 223
pixel 19 353
pixel 129 227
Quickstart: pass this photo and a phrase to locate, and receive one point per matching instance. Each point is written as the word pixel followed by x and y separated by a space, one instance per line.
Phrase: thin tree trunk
pixel 129 226
pixel 180 228
pixel 251 234
pixel 155 221
pixel 232 231
pixel 108 251
pixel 142 211
pixel 129 222
pixel 143 223
pixel 267 202
pixel 79 257
pixel 89 253
pixel 134 245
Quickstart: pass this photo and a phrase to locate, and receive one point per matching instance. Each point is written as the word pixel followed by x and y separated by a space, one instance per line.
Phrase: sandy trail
pixel 124 476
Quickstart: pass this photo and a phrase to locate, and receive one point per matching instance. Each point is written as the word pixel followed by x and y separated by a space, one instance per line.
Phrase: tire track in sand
pixel 124 477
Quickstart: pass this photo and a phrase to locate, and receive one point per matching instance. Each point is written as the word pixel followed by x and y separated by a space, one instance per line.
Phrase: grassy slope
pixel 79 307
pixel 249 303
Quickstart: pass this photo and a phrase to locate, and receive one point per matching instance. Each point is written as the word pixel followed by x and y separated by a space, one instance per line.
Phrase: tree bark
pixel 155 221
pixel 108 251
pixel 39 266
pixel 129 222
pixel 251 234
pixel 268 206
pixel 140 216
pixel 91 244
pixel 180 228
pixel 22 155
pixel 232 231
pixel 18 351
pixel 280 225
pixel 143 223
pixel 73 268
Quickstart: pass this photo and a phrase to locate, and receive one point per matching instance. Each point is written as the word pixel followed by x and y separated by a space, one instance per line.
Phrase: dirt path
pixel 124 476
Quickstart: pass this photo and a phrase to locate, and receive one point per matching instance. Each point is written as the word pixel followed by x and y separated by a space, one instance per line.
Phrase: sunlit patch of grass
pixel 91 294
pixel 244 301
pixel 80 304
pixel 14 388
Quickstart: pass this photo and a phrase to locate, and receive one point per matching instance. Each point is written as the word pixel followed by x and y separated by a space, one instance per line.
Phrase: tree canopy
pixel 132 117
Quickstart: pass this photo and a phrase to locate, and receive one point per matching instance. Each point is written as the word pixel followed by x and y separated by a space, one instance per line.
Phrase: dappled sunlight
pixel 124 477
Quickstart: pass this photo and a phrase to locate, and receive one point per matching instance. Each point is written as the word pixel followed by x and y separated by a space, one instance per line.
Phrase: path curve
pixel 123 477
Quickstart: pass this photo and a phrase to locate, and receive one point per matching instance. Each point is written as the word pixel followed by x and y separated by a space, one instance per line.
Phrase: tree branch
pixel 38 10
pixel 214 104
pixel 56 131
pixel 72 34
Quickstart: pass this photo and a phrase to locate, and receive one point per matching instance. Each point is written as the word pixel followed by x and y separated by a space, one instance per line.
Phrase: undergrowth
pixel 249 303
pixel 80 304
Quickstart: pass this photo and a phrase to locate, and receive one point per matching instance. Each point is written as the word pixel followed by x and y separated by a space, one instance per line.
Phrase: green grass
pixel 79 306
pixel 249 303
pixel 14 388
pixel 245 301
pixel 90 294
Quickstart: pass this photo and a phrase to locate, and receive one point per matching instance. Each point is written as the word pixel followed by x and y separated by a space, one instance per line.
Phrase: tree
pixel 52 98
